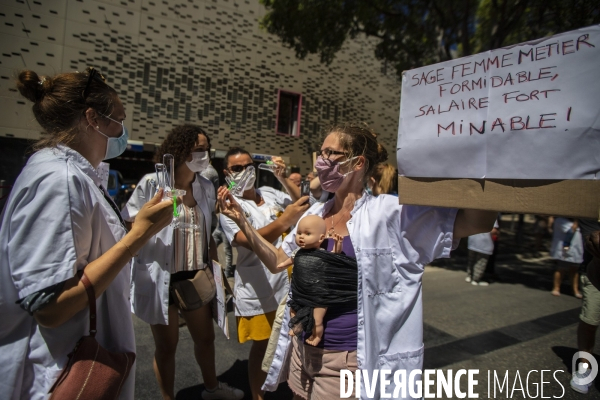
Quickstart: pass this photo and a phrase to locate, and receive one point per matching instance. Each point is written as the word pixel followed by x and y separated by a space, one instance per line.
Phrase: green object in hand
pixel 175 213
pixel 231 185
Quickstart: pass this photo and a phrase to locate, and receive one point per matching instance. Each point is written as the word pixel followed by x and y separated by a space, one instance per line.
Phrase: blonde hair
pixel 386 179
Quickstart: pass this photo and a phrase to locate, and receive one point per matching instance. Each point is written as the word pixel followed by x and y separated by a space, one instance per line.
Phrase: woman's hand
pixel 280 172
pixel 153 216
pixel 294 211
pixel 229 206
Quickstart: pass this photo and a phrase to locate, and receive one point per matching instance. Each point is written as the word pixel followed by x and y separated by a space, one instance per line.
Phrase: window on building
pixel 289 106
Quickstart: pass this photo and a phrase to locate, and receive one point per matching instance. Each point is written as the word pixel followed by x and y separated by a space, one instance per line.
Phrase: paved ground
pixel 513 325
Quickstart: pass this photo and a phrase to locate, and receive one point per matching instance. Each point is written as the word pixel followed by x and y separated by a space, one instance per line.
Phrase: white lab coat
pixel 393 243
pixel 55 222
pixel 257 290
pixel 151 272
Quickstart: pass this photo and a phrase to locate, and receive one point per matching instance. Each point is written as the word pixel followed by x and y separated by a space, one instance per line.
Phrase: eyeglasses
pixel 239 168
pixel 94 74
pixel 122 123
pixel 326 153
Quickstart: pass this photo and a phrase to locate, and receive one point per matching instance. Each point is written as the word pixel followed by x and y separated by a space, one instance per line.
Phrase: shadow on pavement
pixel 236 376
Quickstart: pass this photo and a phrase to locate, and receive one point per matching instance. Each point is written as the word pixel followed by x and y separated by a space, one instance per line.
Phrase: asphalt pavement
pixel 513 328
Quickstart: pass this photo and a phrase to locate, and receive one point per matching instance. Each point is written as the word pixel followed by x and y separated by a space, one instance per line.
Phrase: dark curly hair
pixel 180 142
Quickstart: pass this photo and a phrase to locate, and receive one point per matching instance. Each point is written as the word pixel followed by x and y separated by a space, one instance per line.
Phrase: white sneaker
pixel 583 389
pixel 468 279
pixel 223 392
pixel 480 283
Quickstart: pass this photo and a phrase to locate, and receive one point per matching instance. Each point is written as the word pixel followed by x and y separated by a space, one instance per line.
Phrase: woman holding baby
pixel 391 244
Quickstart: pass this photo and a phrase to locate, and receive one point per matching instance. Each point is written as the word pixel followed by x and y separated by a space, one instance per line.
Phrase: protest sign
pixel 515 129
pixel 219 303
pixel 529 111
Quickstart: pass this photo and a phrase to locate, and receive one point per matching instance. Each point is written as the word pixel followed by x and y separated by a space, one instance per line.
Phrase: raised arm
pixel 275 229
pixel 471 222
pixel 290 187
pixel 266 252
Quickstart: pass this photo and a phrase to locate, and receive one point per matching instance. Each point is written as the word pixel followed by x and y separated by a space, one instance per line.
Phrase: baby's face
pixel 307 237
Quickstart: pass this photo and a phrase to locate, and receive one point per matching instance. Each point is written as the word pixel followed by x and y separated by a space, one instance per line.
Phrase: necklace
pixel 331 230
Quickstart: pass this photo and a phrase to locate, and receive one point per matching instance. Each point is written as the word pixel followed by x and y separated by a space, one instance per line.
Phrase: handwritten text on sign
pixel 530 111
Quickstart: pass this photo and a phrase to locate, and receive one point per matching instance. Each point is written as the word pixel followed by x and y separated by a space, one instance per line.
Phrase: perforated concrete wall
pixel 204 62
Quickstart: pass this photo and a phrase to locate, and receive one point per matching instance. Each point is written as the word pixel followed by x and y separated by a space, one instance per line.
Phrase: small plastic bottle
pixel 268 166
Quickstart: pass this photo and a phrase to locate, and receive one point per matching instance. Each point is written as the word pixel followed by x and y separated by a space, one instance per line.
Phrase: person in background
pixel 257 292
pixel 589 318
pixel 296 178
pixel 384 180
pixel 543 229
pixel 310 176
pixel 177 254
pixel 481 247
pixel 59 221
pixel 567 250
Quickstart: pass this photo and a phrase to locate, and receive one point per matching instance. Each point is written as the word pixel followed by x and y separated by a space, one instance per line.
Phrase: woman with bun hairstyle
pixel 59 220
pixel 175 255
pixel 391 243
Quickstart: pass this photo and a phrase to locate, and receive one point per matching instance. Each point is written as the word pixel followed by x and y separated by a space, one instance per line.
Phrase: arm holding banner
pixel 471 222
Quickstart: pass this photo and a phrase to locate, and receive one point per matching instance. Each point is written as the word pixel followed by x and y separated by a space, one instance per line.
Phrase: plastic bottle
pixel 268 166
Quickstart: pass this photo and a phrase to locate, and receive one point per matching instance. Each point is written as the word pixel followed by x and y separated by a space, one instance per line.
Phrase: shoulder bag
pixel 92 372
pixel 191 294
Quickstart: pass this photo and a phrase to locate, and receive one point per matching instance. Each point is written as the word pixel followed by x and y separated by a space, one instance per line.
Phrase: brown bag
pixel 92 373
pixel 191 294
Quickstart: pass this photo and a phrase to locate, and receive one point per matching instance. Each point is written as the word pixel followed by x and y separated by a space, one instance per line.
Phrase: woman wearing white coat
pixel 59 220
pixel 177 254
pixel 392 244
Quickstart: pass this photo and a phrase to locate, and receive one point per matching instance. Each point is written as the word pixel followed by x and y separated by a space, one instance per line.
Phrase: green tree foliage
pixel 413 33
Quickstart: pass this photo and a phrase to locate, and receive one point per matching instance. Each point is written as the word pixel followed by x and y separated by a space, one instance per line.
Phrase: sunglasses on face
pixel 239 168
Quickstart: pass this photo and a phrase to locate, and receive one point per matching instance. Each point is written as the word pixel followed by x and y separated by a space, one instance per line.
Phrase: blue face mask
pixel 115 146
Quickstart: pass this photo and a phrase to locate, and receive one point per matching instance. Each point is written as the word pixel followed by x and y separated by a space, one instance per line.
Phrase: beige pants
pixel 315 372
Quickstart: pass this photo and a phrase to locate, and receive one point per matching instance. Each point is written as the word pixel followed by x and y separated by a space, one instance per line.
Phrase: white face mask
pixel 200 161
pixel 244 179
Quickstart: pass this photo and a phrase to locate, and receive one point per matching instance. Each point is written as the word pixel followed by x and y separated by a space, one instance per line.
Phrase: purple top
pixel 340 325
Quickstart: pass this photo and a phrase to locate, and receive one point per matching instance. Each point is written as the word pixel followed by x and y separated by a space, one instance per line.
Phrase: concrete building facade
pixel 203 62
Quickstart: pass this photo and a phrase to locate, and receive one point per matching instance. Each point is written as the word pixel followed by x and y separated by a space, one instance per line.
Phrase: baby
pixel 310 233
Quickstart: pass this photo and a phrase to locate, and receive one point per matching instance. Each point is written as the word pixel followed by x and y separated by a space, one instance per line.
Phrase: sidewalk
pixel 514 324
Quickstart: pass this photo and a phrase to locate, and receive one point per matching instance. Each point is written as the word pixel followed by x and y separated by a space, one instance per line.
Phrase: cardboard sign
pixel 219 304
pixel 529 111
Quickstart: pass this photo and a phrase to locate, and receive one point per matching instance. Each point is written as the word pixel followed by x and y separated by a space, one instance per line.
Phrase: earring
pixel 97 126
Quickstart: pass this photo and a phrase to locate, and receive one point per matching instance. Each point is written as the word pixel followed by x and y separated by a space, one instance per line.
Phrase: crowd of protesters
pixel 59 223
